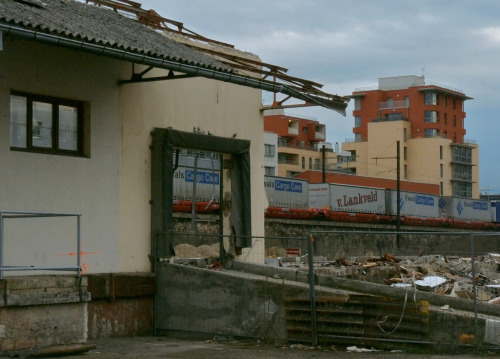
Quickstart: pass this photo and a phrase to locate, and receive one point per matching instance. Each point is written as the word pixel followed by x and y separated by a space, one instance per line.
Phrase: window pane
pixel 18 117
pixel 68 128
pixel 357 121
pixel 42 125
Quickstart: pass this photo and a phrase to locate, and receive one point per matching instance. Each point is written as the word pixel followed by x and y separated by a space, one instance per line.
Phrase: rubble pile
pixel 445 275
pixel 189 251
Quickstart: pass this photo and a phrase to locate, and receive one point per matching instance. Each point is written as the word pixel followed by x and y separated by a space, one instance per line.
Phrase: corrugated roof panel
pixel 75 20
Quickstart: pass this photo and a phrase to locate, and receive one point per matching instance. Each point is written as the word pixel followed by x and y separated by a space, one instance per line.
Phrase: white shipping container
pixel 287 192
pixel 357 199
pixel 414 204
pixel 207 184
pixel 465 209
pixel 319 196
pixel 346 198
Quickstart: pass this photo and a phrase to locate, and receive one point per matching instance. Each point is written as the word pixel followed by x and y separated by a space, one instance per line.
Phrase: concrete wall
pixel 42 311
pixel 224 304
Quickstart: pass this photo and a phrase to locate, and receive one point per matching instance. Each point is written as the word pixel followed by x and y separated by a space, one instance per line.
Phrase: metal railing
pixel 16 215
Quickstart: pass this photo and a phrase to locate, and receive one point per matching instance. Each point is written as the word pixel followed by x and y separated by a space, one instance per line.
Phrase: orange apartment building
pixel 299 142
pixel 427 120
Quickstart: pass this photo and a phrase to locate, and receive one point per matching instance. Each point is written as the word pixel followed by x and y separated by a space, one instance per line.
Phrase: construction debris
pixel 443 275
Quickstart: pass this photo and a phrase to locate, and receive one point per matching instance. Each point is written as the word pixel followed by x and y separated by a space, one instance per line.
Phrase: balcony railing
pixel 348 159
pixel 319 135
pixel 393 104
pixel 462 177
pixel 293 131
pixel 385 119
pixel 354 140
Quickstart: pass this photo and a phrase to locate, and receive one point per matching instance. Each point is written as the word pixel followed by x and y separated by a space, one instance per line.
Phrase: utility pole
pixel 323 163
pixel 398 192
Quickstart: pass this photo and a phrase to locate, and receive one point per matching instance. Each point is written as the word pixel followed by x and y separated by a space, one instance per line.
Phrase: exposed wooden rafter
pixel 270 73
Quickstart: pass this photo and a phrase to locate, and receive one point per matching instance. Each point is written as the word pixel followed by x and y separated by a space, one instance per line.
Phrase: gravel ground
pixel 161 347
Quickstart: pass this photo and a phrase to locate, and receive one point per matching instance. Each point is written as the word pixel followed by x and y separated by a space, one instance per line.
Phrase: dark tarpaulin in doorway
pixel 164 143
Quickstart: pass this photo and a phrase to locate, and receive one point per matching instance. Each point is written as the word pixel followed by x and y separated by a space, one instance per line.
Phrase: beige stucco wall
pixel 424 162
pixel 42 182
pixel 377 156
pixel 111 189
pixel 220 108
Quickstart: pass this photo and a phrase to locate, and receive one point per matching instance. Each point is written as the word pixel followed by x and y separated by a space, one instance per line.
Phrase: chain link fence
pixel 381 289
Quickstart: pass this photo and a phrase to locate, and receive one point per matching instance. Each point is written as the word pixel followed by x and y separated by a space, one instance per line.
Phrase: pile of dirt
pixel 189 251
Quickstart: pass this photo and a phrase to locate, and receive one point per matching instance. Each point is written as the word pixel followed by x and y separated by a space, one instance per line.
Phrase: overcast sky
pixel 349 44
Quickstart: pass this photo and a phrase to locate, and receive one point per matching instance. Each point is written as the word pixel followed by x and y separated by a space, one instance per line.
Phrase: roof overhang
pixel 267 80
pixel 445 91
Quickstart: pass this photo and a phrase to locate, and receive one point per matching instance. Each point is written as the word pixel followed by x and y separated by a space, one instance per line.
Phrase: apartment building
pixel 300 141
pixel 427 121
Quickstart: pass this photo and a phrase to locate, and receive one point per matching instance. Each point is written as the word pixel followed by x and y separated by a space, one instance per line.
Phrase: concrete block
pixel 492 331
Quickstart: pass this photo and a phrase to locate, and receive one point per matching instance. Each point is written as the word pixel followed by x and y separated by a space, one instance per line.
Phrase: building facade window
pixel 269 171
pixel 441 188
pixel 407 101
pixel 454 121
pixel 48 125
pixel 462 154
pixel 462 189
pixel 462 172
pixel 405 153
pixel 310 163
pixel 441 170
pixel 445 116
pixel 269 150
pixel 431 116
pixel 357 104
pixel 288 158
pixel 431 98
pixel 303 163
pixel 357 137
pixel 394 116
pixel 440 152
pixel 431 132
pixel 357 121
pixel 405 171
pixel 405 135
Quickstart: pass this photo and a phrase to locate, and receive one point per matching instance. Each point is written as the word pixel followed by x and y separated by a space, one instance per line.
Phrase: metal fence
pixel 382 289
pixel 20 248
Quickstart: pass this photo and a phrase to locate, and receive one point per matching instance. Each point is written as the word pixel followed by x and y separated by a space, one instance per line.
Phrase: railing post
pixel 1 245
pixel 78 244
pixel 474 287
pixel 310 255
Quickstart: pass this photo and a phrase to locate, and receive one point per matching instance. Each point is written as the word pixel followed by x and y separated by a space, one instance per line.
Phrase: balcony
pixel 386 119
pixel 344 159
pixel 392 104
pixel 356 139
pixel 293 131
pixel 319 136
pixel 287 158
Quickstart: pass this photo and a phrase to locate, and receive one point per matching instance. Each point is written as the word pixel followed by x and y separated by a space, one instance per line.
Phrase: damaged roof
pixel 102 31
pixel 101 26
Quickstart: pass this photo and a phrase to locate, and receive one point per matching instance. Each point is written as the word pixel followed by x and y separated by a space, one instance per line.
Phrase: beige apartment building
pixel 427 121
